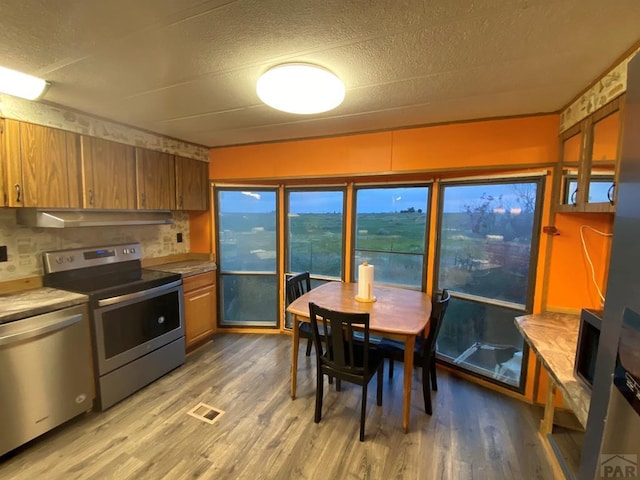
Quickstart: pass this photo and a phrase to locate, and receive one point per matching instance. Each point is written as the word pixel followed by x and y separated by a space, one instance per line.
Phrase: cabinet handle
pixel 610 193
pixel 18 192
pixel 573 197
pixel 91 196
pixel 181 202
pixel 144 199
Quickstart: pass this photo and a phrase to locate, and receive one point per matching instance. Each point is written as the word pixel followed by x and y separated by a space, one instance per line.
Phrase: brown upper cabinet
pixel 589 155
pixel 108 173
pixel 191 184
pixel 41 166
pixel 50 168
pixel 156 182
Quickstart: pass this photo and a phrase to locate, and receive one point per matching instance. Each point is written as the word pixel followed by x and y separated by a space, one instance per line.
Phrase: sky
pixel 369 200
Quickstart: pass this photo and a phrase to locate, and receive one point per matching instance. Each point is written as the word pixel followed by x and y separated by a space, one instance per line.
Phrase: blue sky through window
pixel 374 200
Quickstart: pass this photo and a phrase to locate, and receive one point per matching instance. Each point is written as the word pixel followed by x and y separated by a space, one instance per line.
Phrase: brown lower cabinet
pixel 199 308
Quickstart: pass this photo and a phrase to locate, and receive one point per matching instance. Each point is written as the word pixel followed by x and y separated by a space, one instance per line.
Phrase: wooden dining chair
pixel 424 350
pixel 344 358
pixel 297 286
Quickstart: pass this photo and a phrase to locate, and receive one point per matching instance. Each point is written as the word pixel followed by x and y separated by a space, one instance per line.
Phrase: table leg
pixel 409 344
pixel 294 355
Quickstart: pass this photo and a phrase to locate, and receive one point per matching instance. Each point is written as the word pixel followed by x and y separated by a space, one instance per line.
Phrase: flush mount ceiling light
pixel 300 88
pixel 20 84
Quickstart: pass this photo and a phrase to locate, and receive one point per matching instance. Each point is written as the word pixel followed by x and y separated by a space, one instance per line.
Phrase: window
pixel 315 232
pixel 391 228
pixel 486 258
pixel 247 256
pixel 315 235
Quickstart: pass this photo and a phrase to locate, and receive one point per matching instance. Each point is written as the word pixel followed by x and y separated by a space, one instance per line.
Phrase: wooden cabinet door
pixel 192 179
pixel 602 163
pixel 199 308
pixel 156 180
pixel 589 158
pixel 41 166
pixel 109 174
pixel 4 192
pixel 12 163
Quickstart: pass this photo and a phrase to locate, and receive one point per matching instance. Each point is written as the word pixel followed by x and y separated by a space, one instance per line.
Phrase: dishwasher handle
pixel 46 328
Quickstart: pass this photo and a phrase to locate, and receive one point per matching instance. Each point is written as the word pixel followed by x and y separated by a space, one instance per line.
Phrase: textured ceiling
pixel 187 68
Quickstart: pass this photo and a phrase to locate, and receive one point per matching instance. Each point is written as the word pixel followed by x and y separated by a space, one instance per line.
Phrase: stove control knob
pixel 70 258
pixel 59 260
pixel 132 250
pixel 125 250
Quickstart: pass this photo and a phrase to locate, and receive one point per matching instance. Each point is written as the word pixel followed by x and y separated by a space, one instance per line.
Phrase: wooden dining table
pixel 397 313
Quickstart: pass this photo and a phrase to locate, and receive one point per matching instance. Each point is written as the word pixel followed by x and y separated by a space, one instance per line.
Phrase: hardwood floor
pixel 474 433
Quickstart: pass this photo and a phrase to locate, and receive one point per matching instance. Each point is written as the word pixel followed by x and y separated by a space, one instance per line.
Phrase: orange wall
pixel 518 141
pixel 318 157
pixel 200 232
pixel 569 282
pixel 513 142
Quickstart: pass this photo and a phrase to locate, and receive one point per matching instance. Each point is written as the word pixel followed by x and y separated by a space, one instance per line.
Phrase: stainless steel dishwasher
pixel 45 374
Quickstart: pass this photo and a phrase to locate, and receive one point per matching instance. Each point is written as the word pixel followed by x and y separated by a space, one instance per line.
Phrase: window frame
pixel 525 309
pixel 429 185
pixel 251 324
pixel 535 239
pixel 313 188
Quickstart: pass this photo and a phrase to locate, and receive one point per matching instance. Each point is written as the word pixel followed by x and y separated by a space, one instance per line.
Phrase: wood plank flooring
pixel 474 433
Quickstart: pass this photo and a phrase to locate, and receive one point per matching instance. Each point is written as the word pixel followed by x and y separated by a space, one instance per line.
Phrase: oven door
pixel 130 326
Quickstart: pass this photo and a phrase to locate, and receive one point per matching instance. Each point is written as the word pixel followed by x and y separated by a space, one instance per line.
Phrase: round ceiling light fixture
pixel 300 88
pixel 21 85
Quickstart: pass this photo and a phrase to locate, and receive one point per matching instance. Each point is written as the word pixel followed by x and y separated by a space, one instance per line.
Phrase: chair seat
pixel 305 330
pixel 424 350
pixel 376 357
pixel 395 348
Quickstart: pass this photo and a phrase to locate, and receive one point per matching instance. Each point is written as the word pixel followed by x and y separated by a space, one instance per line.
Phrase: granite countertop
pixel 553 337
pixel 186 268
pixel 15 306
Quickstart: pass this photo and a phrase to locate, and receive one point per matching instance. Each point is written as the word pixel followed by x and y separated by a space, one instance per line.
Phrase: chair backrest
pixel 344 353
pixel 297 286
pixel 437 315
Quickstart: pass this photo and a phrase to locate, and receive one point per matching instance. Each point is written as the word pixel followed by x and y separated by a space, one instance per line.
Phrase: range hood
pixel 65 218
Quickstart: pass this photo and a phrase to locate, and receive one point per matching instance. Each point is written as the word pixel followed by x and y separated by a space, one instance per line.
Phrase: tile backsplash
pixel 26 244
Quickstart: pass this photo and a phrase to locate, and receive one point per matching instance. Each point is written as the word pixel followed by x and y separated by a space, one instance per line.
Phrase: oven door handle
pixel 136 295
pixel 49 327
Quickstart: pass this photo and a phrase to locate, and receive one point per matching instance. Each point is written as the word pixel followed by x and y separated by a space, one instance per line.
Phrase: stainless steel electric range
pixel 136 315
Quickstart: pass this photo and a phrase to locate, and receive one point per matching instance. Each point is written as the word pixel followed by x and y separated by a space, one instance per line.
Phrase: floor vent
pixel 206 413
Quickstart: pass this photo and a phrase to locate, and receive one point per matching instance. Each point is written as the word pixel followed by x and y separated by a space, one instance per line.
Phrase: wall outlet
pixel 3 253
pixel 179 237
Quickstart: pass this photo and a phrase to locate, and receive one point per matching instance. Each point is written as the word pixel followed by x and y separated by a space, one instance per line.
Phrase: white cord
pixel 586 252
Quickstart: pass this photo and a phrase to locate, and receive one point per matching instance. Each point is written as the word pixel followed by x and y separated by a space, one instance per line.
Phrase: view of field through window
pixel 486 237
pixel 247 257
pixel 390 233
pixel 316 232
pixel 485 250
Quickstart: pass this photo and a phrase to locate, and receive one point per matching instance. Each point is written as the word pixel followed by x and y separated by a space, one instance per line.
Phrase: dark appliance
pixel 587 347
pixel 612 439
pixel 136 315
